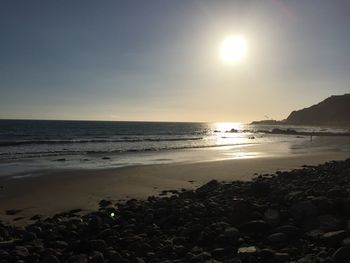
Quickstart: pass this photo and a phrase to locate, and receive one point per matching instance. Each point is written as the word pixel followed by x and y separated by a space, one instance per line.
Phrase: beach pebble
pixel 260 188
pixel 330 222
pixel 104 203
pixel 346 206
pixel 247 251
pixel 341 255
pixel 180 250
pixel 281 257
pixel 4 233
pixel 333 238
pixel 231 222
pixel 255 226
pixel 179 240
pixel 346 242
pixel 50 259
pixel 78 259
pixel 277 238
pixel 337 192
pixel 29 236
pixel 303 210
pixel 12 212
pixel 98 244
pixel 97 257
pixel 35 217
pixel 266 254
pixel 324 205
pixel 289 230
pixel 232 233
pixel 60 244
pixel 208 187
pixel 202 257
pixel 309 259
pixel 218 253
pixel 21 251
pixel 272 217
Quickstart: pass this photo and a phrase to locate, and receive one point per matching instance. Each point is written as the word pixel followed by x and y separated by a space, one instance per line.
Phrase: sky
pixel 158 60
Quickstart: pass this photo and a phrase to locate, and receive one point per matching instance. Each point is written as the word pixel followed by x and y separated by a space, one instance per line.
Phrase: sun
pixel 233 48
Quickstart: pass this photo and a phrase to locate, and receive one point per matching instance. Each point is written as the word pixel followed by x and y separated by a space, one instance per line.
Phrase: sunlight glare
pixel 227 126
pixel 233 49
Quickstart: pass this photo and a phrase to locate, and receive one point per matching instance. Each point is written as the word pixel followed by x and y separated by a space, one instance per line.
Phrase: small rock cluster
pixel 299 216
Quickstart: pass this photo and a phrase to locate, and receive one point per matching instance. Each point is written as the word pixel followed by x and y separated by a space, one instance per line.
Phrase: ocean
pixel 92 144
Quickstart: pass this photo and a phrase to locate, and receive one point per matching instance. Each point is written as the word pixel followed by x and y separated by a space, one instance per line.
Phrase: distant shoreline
pixel 284 123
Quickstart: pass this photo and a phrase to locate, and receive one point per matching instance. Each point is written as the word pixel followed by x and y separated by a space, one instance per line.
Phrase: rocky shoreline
pixel 298 216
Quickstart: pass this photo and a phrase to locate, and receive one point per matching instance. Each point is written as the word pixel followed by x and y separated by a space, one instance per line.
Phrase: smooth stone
pixel 255 226
pixel 336 192
pixel 97 257
pixel 21 251
pixel 272 217
pixel 260 188
pixel 252 250
pixel 266 254
pixel 277 238
pixel 60 244
pixel 346 206
pixel 333 238
pixel 330 222
pixel 29 236
pixel 341 255
pixel 346 242
pixel 35 229
pixel 231 232
pixel 201 257
pixel 98 244
pixel 78 259
pixel 106 233
pixel 218 253
pixel 12 212
pixel 35 217
pixel 289 230
pixel 180 250
pixel 281 257
pixel 179 240
pixel 303 210
pixel 104 203
pixel 309 259
pixel 50 259
pixel 208 187
pixel 4 233
pixel 323 204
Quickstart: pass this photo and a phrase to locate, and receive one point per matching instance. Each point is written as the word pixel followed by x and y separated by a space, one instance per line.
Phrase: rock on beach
pixel 282 217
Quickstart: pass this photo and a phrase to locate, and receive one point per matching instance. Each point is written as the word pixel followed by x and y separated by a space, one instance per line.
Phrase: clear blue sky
pixel 159 60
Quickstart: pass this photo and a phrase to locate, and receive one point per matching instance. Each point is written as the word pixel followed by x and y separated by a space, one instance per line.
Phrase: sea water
pixel 94 144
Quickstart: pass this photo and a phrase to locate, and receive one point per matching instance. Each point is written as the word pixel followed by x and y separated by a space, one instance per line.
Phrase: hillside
pixel 333 111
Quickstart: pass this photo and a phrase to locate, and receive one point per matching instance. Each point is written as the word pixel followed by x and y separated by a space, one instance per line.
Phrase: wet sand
pixel 55 191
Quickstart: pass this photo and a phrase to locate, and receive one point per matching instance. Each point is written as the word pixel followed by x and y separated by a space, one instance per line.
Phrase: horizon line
pixel 85 120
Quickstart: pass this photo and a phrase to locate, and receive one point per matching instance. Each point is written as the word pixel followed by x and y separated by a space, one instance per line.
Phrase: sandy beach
pixel 54 191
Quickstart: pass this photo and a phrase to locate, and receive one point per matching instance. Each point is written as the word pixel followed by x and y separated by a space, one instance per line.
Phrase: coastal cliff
pixel 333 111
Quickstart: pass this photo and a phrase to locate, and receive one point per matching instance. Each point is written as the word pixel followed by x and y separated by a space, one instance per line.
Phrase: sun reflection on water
pixel 227 126
pixel 230 133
